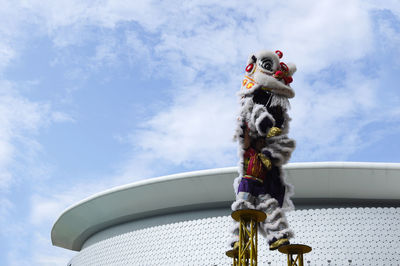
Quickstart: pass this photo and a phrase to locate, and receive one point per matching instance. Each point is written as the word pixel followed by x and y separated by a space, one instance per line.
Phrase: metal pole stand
pixel 295 249
pixel 234 255
pixel 248 225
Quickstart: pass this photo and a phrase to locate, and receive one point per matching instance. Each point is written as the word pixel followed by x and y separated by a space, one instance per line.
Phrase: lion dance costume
pixel 264 146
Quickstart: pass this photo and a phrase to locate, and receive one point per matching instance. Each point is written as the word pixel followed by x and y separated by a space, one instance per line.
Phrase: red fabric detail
pixel 255 167
pixel 288 80
pixel 278 74
pixel 283 74
pixel 249 154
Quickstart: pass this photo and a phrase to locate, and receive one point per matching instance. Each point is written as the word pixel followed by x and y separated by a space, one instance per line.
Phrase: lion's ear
pixel 252 59
pixel 292 68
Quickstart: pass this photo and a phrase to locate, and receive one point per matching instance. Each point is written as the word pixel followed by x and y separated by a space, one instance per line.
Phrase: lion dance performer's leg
pixel 276 227
pixel 266 191
pixel 251 194
pixel 245 199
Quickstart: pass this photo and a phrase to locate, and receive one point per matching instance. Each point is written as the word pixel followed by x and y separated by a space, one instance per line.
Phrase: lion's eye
pixel 267 63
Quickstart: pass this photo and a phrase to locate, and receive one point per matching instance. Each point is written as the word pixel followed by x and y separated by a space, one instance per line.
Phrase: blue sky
pixel 95 94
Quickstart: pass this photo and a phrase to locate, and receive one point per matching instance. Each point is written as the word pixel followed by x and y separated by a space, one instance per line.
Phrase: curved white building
pixel 349 213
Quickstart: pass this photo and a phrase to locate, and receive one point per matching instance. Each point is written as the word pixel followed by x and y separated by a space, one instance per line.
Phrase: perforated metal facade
pixel 364 236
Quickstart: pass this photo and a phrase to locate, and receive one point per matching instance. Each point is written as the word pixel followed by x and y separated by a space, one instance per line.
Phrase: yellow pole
pixel 248 235
pixel 300 259
pixel 295 249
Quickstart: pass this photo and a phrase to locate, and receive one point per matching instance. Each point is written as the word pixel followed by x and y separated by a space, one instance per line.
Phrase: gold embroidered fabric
pixel 274 131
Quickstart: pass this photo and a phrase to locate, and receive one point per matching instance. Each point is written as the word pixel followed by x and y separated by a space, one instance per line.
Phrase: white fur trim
pixel 285 126
pixel 259 120
pixel 241 204
pixel 275 226
pixel 258 110
pixel 236 183
pixel 289 192
pixel 282 153
pixel 275 214
pixel 263 206
pixel 281 148
pixel 278 100
pixel 292 68
pixel 277 157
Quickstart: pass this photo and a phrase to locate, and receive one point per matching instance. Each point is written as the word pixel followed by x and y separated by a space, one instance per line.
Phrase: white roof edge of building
pixel 344 165
pixel 154 180
pixel 156 195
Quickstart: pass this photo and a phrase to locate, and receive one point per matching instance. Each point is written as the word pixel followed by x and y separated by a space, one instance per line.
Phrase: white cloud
pixel 197 127
pixel 51 199
pixel 320 34
pixel 208 34
pixel 45 210
pixel 45 207
pixel 35 250
pixel 5 206
pixel 58 116
pixel 20 122
pixel 6 55
pixel 17 117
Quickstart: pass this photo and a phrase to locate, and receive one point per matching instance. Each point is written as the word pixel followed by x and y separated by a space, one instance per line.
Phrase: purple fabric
pixel 272 185
pixel 251 186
